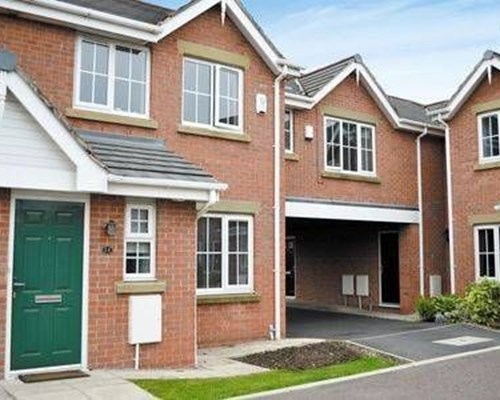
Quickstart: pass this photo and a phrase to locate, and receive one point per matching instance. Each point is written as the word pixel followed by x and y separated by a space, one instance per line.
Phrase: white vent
pixel 144 319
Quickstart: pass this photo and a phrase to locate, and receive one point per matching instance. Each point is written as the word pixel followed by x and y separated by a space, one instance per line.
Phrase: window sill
pixel 291 157
pixel 351 177
pixel 485 166
pixel 245 298
pixel 214 133
pixel 111 118
pixel 141 287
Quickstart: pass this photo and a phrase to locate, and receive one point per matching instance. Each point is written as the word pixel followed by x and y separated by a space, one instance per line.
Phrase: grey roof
pixel 132 9
pixel 141 158
pixel 437 106
pixel 408 109
pixel 310 83
pixel 8 61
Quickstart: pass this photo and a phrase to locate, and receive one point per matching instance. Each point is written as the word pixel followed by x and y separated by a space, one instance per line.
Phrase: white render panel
pixel 144 324
pixel 29 158
pixel 346 212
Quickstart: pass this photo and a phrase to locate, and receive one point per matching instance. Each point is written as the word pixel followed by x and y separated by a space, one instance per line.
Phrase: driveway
pixel 412 341
pixel 470 377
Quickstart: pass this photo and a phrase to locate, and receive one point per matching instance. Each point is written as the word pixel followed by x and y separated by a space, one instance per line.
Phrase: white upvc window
pixel 289 132
pixel 212 95
pixel 487 244
pixel 489 136
pixel 349 147
pixel 111 77
pixel 140 242
pixel 224 254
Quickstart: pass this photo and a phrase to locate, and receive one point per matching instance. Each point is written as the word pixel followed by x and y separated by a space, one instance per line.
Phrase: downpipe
pixel 421 209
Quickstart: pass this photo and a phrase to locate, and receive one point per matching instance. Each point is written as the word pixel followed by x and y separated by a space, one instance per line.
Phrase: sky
pixel 417 49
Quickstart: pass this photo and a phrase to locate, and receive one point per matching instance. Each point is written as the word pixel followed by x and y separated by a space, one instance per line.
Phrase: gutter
pixel 276 329
pixel 421 208
pixel 449 183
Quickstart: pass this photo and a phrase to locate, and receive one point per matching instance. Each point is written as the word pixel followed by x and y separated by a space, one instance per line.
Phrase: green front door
pixel 47 284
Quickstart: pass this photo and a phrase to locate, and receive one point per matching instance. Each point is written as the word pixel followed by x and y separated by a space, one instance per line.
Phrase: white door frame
pixel 294 238
pixel 380 302
pixel 56 197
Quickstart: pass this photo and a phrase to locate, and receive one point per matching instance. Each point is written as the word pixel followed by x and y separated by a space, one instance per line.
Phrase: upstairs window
pixel 488 252
pixel 490 136
pixel 349 147
pixel 289 134
pixel 225 254
pixel 112 78
pixel 140 237
pixel 212 95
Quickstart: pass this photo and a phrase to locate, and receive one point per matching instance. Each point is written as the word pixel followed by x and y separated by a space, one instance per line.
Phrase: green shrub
pixel 481 304
pixel 446 304
pixel 426 309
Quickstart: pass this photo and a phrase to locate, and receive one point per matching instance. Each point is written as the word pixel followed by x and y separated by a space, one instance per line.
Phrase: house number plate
pixel 48 299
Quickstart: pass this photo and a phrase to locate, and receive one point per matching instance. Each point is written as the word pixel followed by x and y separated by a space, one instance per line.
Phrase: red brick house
pixel 365 193
pixel 471 119
pixel 131 232
pixel 150 179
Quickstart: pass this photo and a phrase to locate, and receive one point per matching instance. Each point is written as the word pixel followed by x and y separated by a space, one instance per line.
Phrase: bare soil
pixel 312 356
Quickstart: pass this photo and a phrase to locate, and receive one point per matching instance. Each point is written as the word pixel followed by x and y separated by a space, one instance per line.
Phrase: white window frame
pixel 482 158
pixel 496 244
pixel 226 288
pixel 292 132
pixel 341 169
pixel 150 238
pixel 109 107
pixel 215 69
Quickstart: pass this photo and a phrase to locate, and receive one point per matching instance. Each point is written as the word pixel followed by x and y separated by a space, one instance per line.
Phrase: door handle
pixel 19 285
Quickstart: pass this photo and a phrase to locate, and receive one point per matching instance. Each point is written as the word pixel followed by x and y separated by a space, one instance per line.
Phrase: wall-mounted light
pixel 110 228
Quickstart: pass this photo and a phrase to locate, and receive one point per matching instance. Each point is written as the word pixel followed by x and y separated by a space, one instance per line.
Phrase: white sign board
pixel 144 324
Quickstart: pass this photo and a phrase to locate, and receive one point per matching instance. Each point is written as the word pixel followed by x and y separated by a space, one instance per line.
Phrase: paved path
pixel 467 378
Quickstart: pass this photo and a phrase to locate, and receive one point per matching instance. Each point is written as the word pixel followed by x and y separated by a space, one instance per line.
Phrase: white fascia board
pixel 171 183
pixel 160 192
pixel 469 87
pixel 345 212
pixel 84 18
pixel 418 127
pixel 91 177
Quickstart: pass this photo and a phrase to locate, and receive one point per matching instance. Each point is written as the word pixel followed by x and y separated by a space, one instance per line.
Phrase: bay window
pixel 349 147
pixel 212 95
pixel 225 254
pixel 112 78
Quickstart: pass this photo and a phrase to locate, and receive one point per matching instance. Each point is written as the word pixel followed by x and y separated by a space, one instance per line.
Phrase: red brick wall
pixel 4 239
pixel 409 268
pixel 396 155
pixel 474 192
pixel 46 53
pixel 108 312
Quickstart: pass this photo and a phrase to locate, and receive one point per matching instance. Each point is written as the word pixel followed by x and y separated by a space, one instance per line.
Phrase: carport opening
pixel 334 264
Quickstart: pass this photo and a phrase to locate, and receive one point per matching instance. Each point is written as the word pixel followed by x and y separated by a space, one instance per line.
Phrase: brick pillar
pixel 4 239
pixel 409 268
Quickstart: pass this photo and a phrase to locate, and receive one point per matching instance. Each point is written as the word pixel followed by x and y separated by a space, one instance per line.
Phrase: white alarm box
pixel 261 103
pixel 144 324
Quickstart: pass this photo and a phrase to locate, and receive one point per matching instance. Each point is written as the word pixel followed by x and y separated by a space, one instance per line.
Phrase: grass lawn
pixel 223 388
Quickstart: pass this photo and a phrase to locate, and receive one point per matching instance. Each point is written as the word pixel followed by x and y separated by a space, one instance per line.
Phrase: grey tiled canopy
pixel 141 158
